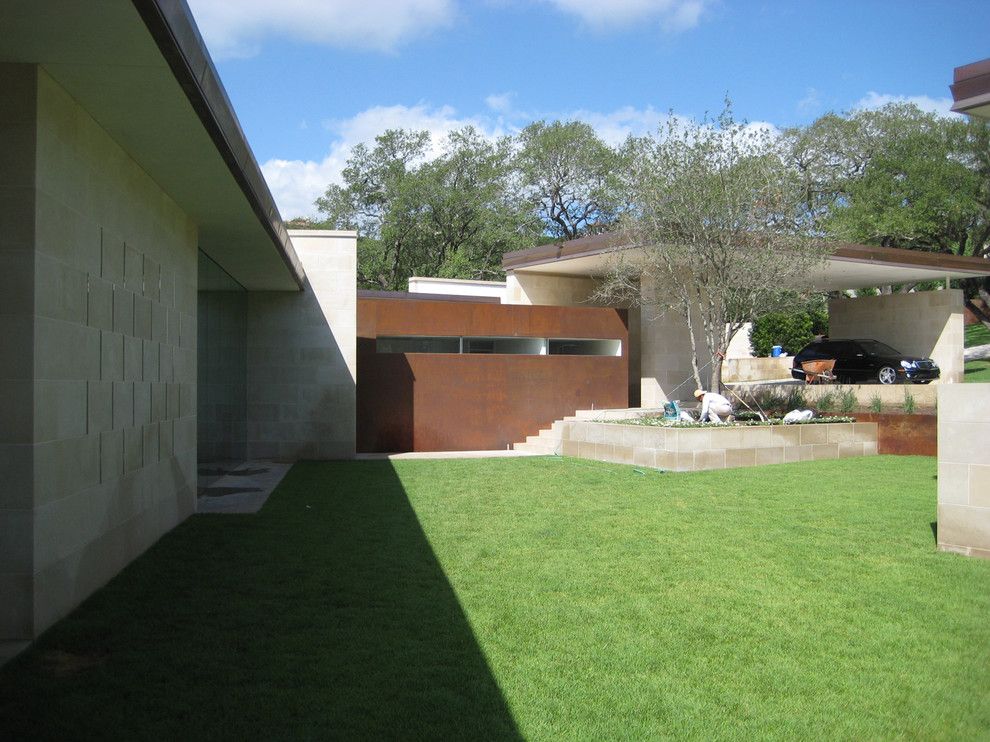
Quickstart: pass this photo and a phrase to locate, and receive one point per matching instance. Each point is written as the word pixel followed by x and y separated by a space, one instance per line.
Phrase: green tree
pixel 570 178
pixel 720 231
pixel 377 200
pixel 899 177
pixel 452 215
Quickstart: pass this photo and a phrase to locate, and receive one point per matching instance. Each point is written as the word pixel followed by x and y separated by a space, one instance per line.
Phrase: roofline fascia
pixel 174 31
pixel 844 251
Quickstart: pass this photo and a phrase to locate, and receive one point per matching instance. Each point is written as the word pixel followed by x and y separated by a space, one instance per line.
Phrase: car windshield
pixel 876 348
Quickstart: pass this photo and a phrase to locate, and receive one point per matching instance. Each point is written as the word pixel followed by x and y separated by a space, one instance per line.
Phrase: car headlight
pixel 907 364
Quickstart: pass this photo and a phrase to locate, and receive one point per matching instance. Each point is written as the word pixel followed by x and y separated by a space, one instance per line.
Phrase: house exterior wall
pixel 99 357
pixel 457 402
pixel 278 368
pixel 457 287
pixel 222 376
pixel 302 356
pixel 923 323
pixel 575 291
pixel 963 469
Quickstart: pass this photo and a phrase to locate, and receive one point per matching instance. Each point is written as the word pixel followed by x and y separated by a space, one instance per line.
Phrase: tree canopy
pixel 721 232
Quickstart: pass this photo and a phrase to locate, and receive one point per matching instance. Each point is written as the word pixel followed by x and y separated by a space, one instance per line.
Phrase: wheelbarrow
pixel 819 371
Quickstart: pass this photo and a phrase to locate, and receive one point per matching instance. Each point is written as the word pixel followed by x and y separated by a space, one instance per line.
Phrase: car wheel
pixel 887 375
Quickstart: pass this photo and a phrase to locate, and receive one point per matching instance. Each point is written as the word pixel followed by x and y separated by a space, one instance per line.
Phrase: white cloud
pixel 811 102
pixel 236 29
pixel 871 100
pixel 673 15
pixel 296 184
pixel 500 102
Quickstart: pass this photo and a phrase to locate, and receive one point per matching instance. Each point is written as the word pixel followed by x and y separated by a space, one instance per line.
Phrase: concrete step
pixel 537 448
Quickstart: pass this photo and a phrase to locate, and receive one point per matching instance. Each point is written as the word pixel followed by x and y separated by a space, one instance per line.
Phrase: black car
pixel 867 361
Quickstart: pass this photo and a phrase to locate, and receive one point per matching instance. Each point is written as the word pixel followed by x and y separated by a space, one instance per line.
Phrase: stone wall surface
pixel 756 369
pixel 98 369
pixel 701 448
pixel 302 356
pixel 222 376
pixel 924 323
pixel 964 469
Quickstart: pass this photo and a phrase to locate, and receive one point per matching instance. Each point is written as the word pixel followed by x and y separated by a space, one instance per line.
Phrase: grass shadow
pixel 326 615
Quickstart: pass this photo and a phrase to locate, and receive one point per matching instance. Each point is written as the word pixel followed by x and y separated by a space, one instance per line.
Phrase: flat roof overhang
pixel 141 70
pixel 971 89
pixel 850 266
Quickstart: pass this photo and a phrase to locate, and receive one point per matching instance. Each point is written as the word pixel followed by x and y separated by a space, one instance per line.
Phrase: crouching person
pixel 714 407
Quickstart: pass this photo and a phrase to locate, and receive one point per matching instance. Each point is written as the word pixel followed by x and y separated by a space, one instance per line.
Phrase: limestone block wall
pixel 98 366
pixel 964 469
pixel 548 290
pixel 222 376
pixel 924 323
pixel 666 356
pixel 696 449
pixel 302 356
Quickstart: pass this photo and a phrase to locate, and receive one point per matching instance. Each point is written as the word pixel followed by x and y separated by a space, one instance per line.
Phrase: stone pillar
pixel 302 356
pixel 964 469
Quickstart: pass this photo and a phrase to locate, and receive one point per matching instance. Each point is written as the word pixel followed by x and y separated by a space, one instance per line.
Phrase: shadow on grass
pixel 326 615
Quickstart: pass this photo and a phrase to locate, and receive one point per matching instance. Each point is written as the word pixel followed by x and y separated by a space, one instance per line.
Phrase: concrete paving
pixel 499 454
pixel 237 486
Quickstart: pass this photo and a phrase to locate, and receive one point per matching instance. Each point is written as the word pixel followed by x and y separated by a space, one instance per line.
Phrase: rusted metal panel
pixel 450 402
pixel 904 435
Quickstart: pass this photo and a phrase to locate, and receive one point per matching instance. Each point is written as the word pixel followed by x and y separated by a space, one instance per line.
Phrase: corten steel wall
pixel 450 402
pixel 904 435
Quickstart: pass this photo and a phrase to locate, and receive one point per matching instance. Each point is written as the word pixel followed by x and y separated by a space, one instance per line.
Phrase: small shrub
pixel 908 402
pixel 826 402
pixel 876 404
pixel 847 401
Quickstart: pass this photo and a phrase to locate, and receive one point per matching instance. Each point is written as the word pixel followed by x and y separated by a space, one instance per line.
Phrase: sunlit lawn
pixel 540 598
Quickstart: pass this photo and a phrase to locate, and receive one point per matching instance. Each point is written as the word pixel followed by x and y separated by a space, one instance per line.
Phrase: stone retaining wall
pixel 696 449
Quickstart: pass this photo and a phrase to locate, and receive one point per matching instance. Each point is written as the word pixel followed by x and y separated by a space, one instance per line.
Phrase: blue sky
pixel 309 79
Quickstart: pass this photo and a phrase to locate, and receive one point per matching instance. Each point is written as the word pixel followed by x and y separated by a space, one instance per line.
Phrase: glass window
pixel 416 344
pixel 509 346
pixel 584 347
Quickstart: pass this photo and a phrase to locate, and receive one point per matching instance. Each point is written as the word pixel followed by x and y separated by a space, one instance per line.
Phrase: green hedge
pixel 790 330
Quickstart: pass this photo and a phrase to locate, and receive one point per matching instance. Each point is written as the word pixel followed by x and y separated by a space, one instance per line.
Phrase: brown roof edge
pixel 174 31
pixel 541 254
pixel 845 251
pixel 971 86
pixel 855 253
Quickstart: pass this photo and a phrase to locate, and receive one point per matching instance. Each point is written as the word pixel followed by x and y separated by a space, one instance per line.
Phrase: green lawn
pixel 540 598
pixel 977 371
pixel 977 334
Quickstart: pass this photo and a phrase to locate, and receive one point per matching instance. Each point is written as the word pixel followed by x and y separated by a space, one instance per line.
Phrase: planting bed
pixel 695 448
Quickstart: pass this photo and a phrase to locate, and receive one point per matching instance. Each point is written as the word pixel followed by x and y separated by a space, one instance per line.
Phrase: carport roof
pixel 971 89
pixel 850 266
pixel 141 70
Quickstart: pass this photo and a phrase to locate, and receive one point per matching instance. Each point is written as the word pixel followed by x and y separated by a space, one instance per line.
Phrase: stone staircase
pixel 548 441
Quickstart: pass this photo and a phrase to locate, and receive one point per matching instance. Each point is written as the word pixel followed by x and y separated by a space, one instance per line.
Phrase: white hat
pixel 699 393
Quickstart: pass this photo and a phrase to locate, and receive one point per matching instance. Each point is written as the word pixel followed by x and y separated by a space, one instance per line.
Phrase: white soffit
pixel 103 54
pixel 840 273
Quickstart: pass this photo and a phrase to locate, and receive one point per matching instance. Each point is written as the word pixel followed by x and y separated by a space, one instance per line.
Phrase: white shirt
pixel 712 400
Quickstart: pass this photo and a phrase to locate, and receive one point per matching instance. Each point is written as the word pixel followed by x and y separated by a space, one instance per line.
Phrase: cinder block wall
pixel 964 469
pixel 302 356
pixel 99 356
pixel 925 323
